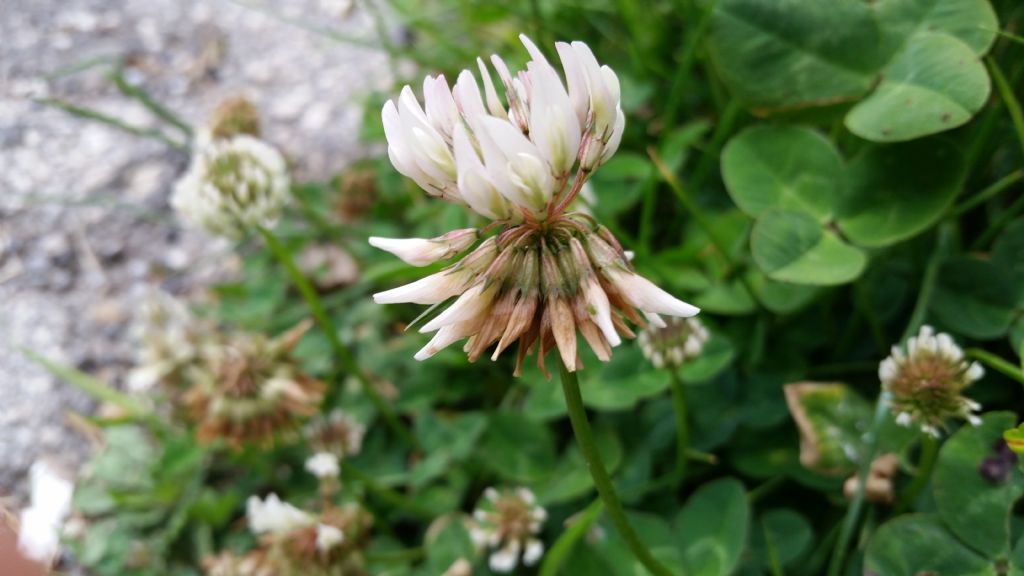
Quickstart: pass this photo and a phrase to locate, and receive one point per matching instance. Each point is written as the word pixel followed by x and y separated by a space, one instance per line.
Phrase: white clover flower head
pixel 328 536
pixel 507 522
pixel 274 516
pixel 550 271
pixel 337 433
pixel 232 184
pixel 323 465
pixel 49 505
pixel 673 341
pixel 170 338
pixel 249 388
pixel 927 380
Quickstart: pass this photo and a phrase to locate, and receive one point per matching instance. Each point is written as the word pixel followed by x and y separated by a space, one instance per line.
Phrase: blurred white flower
pixel 170 338
pixel 232 184
pixel 927 381
pixel 674 341
pixel 328 537
pixel 49 505
pixel 272 516
pixel 323 465
pixel 507 522
pixel 337 433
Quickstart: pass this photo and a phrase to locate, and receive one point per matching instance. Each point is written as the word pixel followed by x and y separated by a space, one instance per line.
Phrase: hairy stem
pixel 603 483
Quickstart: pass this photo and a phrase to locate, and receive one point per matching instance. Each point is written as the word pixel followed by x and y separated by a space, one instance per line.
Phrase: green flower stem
pixel 682 426
pixel 603 483
pixel 931 273
pixel 1006 94
pixel 556 557
pixel 996 363
pixel 991 191
pixel 343 355
pixel 835 566
pixel 929 452
pixel 1005 217
pixel 917 317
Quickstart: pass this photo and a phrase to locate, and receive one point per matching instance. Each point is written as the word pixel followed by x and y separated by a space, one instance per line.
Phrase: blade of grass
pixel 989 192
pixel 559 553
pixel 90 385
pixel 96 116
pixel 144 98
pixel 1009 99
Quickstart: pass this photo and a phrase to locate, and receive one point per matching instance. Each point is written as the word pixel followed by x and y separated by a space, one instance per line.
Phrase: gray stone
pixel 85 228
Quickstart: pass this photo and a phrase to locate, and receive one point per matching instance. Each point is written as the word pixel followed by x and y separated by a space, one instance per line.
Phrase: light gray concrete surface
pixel 85 229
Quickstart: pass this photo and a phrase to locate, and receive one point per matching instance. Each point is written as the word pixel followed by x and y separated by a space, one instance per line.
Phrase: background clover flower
pixel 548 272
pixel 232 184
pixel 673 342
pixel 507 522
pixel 337 433
pixel 249 389
pixel 927 381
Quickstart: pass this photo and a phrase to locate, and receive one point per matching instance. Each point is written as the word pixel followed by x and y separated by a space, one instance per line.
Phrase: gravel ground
pixel 85 229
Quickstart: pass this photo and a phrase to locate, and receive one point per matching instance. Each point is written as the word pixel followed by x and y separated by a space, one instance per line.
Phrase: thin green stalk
pixel 990 192
pixel 929 452
pixel 691 206
pixel 342 353
pixel 996 363
pixel 668 119
pixel 931 273
pixel 161 111
pixel 682 427
pixel 773 554
pixel 722 131
pixel 390 496
pixel 603 483
pixel 559 553
pixel 1006 94
pixel 852 518
pixel 90 114
pixel 765 488
pixel 94 387
pixel 1005 217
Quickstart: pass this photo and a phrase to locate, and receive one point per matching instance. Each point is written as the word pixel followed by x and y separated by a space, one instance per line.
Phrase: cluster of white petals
pixel 927 380
pixel 274 516
pixel 323 465
pixel 673 341
pixel 42 521
pixel 170 339
pixel 328 536
pixel 508 159
pixel 520 161
pixel 232 184
pixel 507 523
pixel 337 433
